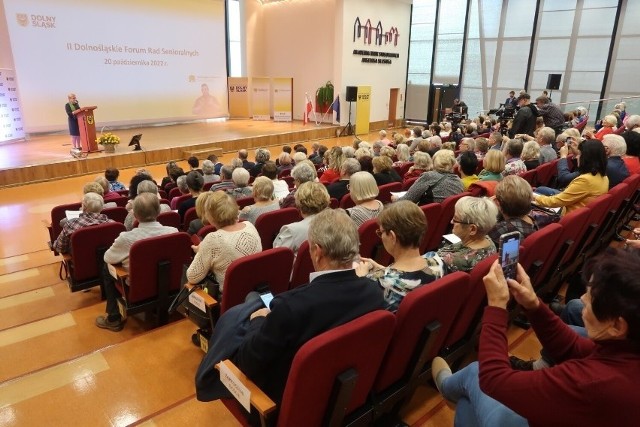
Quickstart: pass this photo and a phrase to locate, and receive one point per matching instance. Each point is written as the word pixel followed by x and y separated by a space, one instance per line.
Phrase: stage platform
pixel 47 157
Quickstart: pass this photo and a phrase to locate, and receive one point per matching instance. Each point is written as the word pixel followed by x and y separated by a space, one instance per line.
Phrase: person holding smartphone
pixel 595 380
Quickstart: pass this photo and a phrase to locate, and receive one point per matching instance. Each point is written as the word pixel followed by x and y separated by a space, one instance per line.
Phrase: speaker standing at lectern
pixel 74 131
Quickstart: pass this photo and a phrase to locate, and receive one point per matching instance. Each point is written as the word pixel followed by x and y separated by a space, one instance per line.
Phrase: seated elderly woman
pixel 401 228
pixel 474 217
pixel 262 156
pixel 364 190
pixel 402 152
pixel 438 184
pixel 531 155
pixel 111 175
pixel 383 171
pixel 285 162
pixel 240 178
pixel 512 152
pixel 513 197
pixel 230 241
pixel 493 164
pixel 594 381
pixel 311 199
pixel 145 186
pixel 195 182
pixel 201 202
pixel 591 182
pixel 280 186
pixel 107 195
pixel 208 171
pixel 390 152
pixel 301 173
pixel 422 163
pixel 264 200
pixel 608 123
pixel 334 159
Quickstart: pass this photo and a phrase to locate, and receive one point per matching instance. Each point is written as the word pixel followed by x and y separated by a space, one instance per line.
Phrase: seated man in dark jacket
pixel 334 296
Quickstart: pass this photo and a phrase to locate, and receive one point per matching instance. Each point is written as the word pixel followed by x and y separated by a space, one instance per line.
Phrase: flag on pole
pixel 308 107
pixel 336 107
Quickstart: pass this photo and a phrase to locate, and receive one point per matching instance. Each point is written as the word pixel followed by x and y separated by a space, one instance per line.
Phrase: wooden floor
pixel 58 369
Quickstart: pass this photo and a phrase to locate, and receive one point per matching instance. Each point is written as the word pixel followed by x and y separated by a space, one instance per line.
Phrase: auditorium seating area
pixel 54 355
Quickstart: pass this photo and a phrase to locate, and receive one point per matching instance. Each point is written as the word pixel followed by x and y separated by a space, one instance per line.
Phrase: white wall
pixel 292 39
pixel 381 77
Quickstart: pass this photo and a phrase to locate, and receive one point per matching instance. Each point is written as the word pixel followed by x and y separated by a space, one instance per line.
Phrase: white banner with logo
pixel 11 126
pixel 239 101
pixel 260 98
pixel 282 92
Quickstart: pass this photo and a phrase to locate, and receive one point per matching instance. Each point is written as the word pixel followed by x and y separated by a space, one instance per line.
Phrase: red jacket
pixel 593 384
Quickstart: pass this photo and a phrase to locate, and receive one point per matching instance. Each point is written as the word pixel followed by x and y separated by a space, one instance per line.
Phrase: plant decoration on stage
pixel 108 139
pixel 324 98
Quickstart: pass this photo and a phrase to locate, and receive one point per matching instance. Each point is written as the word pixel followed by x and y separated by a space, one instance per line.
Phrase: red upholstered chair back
pixel 546 172
pixel 118 214
pixel 145 256
pixel 408 183
pixel 244 202
pixel 289 180
pixel 385 191
pixel 359 345
pixel 174 192
pixel 471 302
pixel 439 301
pixel 302 266
pixel 483 188
pixel 269 224
pixel 177 201
pixel 599 208
pixel 285 172
pixel 538 246
pixel 334 203
pixel 189 216
pixel 170 219
pixel 57 214
pixel 120 201
pixel 444 223
pixel 405 168
pixel 85 243
pixel 205 230
pixel 529 176
pixel 347 202
pixel 432 213
pixel 270 268
pixel 620 130
pixel 370 244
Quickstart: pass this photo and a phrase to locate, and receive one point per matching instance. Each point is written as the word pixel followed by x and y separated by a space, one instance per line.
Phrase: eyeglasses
pixel 456 221
pixel 380 232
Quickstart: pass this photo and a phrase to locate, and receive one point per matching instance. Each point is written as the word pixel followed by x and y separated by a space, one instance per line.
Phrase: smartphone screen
pixel 509 253
pixel 266 298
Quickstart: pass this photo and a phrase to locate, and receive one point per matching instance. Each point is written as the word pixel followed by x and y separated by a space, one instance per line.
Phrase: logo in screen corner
pixel 23 19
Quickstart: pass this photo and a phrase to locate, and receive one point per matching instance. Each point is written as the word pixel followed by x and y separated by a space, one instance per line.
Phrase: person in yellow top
pixel 468 165
pixel 591 183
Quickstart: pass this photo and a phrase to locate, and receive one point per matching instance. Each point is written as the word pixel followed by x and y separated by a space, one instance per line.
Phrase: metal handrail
pixel 600 100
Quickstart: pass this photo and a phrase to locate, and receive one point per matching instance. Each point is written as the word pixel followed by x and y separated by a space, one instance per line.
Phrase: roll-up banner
pixel 282 92
pixel 239 106
pixel 363 110
pixel 260 99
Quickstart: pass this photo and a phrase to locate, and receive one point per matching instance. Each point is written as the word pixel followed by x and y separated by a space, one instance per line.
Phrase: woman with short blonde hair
pixel 264 200
pixel 231 240
pixel 438 184
pixel 493 164
pixel 422 163
pixel 201 203
pixel 364 190
pixel 531 155
pixel 383 171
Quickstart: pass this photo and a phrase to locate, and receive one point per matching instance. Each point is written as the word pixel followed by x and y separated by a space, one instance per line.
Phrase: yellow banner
pixel 238 89
pixel 260 97
pixel 282 99
pixel 363 110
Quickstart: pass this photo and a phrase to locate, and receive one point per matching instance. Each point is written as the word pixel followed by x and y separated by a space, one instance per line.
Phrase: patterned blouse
pixel 396 283
pixel 457 257
pixel 360 214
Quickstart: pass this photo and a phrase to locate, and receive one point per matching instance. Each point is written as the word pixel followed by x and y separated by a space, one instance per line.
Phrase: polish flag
pixel 307 109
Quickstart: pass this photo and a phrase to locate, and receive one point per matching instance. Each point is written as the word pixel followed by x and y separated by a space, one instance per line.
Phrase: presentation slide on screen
pixel 142 61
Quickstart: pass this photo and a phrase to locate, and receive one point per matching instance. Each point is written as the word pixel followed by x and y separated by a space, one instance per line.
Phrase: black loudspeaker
pixel 553 81
pixel 352 93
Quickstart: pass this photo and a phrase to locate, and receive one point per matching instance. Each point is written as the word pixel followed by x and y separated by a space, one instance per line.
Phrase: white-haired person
pixel 208 171
pixel 264 200
pixel 240 177
pixel 383 137
pixel 422 163
pixel 531 154
pixel 285 162
pixel 145 186
pixel 301 173
pixel 438 184
pixel 615 147
pixel 262 156
pixel 403 155
pixel 472 221
pixel 364 190
pixel 339 188
pixel 311 198
pixel 608 124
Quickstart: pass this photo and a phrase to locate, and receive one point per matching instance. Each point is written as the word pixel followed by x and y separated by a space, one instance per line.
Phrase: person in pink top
pixel 595 379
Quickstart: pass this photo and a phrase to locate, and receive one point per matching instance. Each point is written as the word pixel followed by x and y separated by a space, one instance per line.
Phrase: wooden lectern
pixel 87 126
